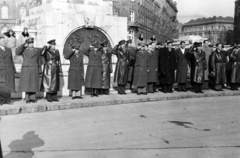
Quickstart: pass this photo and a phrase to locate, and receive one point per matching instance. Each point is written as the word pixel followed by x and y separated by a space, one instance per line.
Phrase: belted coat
pixel 51 70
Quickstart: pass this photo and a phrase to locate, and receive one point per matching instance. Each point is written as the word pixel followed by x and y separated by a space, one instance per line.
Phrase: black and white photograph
pixel 119 78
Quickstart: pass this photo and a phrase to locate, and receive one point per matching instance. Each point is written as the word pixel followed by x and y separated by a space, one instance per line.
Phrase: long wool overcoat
pixel 182 65
pixel 167 66
pixel 94 70
pixel 7 68
pixel 76 70
pixel 141 69
pixel 29 77
pixel 153 66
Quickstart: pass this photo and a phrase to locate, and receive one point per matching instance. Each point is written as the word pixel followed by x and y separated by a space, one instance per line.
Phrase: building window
pixel 4 12
pixel 131 35
pixel 132 15
pixel 22 11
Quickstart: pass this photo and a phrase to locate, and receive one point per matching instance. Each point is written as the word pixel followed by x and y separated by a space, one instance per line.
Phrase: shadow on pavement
pixel 23 148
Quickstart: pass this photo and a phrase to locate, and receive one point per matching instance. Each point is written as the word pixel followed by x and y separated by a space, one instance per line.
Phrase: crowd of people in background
pixel 148 67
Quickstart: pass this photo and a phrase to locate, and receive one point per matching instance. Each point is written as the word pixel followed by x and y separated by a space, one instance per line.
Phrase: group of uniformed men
pixel 144 68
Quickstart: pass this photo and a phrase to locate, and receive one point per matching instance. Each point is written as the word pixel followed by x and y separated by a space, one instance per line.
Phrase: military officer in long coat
pixel 141 70
pixel 31 68
pixel 76 72
pixel 51 71
pixel 208 52
pixel 167 68
pixel 93 79
pixel 218 63
pixel 107 69
pixel 235 68
pixel 7 68
pixel 153 54
pixel 183 69
pixel 198 66
pixel 122 66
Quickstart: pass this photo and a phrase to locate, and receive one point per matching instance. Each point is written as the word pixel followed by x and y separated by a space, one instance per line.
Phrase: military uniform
pixel 93 79
pixel 51 72
pixel 75 73
pixel 31 68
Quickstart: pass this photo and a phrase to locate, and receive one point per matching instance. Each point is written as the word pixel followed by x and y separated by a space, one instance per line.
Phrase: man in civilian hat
pixel 183 68
pixel 93 79
pixel 131 49
pixel 31 68
pixel 51 71
pixel 107 68
pixel 167 68
pixel 122 66
pixel 7 67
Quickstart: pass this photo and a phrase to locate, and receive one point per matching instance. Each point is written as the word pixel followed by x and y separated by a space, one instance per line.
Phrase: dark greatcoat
pixel 5 91
pixel 107 69
pixel 153 66
pixel 132 63
pixel 167 66
pixel 235 66
pixel 51 71
pixel 198 66
pixel 208 52
pixel 122 67
pixel 7 67
pixel 141 69
pixel 76 70
pixel 94 70
pixel 31 67
pixel 219 67
pixel 182 65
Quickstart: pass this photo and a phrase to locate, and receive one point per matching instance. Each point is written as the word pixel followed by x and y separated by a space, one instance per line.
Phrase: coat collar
pixel 4 52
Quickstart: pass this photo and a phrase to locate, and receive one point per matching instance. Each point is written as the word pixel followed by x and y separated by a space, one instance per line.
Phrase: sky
pixel 192 9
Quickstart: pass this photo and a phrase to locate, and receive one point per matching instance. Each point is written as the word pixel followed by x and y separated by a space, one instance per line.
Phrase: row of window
pixel 189 29
pixel 5 12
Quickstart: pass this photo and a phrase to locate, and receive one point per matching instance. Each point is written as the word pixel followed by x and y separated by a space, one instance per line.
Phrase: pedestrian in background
pixel 198 66
pixel 167 68
pixel 51 71
pixel 208 52
pixel 76 72
pixel 31 68
pixel 122 66
pixel 93 79
pixel 11 41
pixel 153 74
pixel 107 68
pixel 183 69
pixel 219 67
pixel 23 36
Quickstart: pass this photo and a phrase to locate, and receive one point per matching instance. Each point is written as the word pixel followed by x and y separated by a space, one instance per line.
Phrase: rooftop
pixel 210 20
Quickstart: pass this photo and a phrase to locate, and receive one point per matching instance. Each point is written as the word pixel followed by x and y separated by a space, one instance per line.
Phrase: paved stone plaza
pixel 184 128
